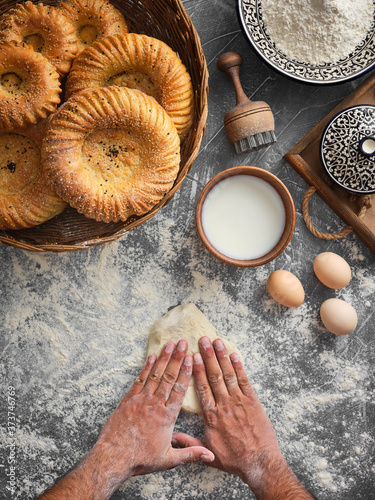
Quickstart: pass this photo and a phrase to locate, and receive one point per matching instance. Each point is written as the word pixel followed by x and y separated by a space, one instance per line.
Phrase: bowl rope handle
pixel 364 204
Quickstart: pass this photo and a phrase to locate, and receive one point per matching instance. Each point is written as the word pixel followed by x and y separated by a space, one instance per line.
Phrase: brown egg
pixel 338 316
pixel 332 270
pixel 286 288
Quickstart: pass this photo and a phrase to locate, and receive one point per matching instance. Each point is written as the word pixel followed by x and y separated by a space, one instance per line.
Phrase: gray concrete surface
pixel 74 326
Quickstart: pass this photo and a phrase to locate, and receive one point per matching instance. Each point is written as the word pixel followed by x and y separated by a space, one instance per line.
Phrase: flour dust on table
pixel 74 338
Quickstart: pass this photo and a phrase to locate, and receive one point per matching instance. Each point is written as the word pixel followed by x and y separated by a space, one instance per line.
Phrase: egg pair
pixel 333 271
pixel 338 316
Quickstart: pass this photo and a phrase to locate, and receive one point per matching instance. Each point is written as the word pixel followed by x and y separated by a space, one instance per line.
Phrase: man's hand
pixel 137 436
pixel 237 428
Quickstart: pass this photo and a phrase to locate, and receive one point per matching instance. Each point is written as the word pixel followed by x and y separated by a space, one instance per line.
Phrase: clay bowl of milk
pixel 245 216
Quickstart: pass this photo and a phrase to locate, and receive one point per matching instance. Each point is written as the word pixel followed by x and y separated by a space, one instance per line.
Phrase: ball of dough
pixel 338 316
pixel 332 270
pixel 189 323
pixel 286 288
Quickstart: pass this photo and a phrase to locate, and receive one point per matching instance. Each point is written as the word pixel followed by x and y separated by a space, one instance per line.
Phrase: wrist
pixel 271 478
pixel 99 472
pixel 95 477
pixel 111 467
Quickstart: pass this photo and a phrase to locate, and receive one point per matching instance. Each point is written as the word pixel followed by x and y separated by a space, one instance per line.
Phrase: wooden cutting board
pixel 305 159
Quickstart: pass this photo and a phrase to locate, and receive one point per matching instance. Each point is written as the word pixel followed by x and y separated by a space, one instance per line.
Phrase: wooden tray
pixel 305 159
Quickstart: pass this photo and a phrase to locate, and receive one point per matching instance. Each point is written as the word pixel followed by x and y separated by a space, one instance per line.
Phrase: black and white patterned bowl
pixel 353 66
pixel 347 149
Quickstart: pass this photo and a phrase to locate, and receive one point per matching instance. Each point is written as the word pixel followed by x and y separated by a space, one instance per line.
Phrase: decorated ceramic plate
pixel 354 65
pixel 347 149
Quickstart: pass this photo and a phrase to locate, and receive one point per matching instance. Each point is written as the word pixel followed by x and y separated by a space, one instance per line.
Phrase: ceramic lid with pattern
pixel 347 149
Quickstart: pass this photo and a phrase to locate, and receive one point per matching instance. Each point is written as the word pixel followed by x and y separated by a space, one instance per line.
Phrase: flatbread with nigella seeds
pixel 111 153
pixel 93 19
pixel 29 86
pixel 26 199
pixel 138 62
pixel 44 28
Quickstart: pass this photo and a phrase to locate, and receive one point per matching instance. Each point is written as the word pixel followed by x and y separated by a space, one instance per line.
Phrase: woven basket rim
pixel 174 10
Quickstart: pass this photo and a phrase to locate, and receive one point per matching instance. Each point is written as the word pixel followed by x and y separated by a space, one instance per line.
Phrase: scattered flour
pixel 317 31
pixel 75 335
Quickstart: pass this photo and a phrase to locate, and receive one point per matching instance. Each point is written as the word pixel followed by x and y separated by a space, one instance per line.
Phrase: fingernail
pixel 205 457
pixel 219 344
pixel 169 347
pixel 198 359
pixel 188 360
pixel 234 357
pixel 182 345
pixel 205 342
pixel 152 358
pixel 174 442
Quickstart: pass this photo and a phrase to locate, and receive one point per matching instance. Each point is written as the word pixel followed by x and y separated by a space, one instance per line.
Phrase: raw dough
pixel 189 323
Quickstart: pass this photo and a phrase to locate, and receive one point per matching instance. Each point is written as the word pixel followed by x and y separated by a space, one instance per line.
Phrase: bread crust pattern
pixel 141 62
pixel 29 86
pixel 93 19
pixel 111 153
pixel 45 29
pixel 26 199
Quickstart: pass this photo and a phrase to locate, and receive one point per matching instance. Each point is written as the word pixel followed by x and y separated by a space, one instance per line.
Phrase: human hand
pixel 137 437
pixel 237 428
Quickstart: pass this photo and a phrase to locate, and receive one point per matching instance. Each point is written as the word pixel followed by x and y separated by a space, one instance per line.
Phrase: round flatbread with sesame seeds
pixel 29 86
pixel 43 27
pixel 26 199
pixel 93 19
pixel 139 62
pixel 111 153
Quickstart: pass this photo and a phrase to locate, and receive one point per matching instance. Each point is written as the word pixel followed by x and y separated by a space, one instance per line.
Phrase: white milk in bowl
pixel 243 217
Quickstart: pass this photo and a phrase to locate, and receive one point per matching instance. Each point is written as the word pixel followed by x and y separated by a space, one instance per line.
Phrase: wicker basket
pixel 168 21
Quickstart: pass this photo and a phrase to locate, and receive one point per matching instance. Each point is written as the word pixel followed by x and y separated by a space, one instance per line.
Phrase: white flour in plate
pixel 317 31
